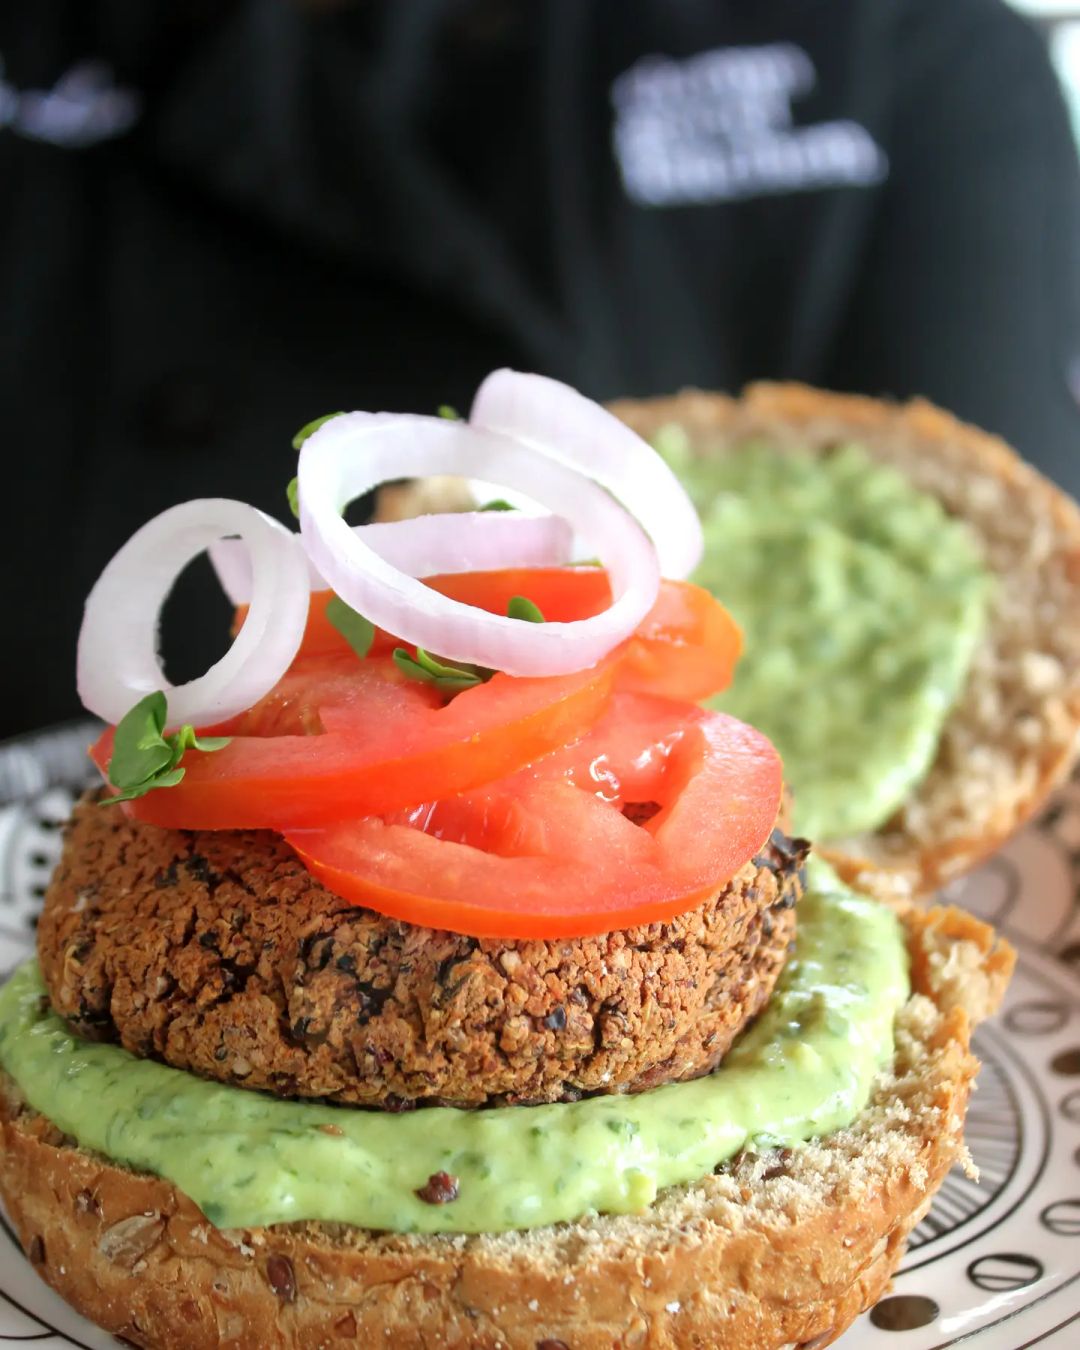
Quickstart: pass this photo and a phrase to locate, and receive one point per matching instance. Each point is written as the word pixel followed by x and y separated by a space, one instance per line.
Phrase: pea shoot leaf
pixel 448 411
pixel 309 428
pixel 162 780
pixel 498 504
pixel 143 757
pixel 521 607
pixel 357 631
pixel 139 748
pixel 452 679
pixel 186 739
pixel 426 668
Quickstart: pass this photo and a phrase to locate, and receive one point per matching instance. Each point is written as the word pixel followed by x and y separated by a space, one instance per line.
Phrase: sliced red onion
pixel 470 541
pixel 354 453
pixel 576 431
pixel 467 541
pixel 118 660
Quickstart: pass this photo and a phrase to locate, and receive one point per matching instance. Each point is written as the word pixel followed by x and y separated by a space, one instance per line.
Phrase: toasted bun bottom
pixel 777 1250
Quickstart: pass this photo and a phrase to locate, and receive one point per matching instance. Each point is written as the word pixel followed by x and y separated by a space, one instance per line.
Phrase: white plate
pixel 995 1266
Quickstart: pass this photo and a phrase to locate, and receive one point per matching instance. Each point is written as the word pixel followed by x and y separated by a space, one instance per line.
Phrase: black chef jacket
pixel 218 220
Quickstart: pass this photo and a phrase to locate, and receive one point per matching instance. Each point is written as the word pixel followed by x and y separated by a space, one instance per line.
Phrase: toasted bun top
pixel 1013 735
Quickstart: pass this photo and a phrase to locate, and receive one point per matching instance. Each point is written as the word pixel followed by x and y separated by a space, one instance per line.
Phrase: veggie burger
pixel 436 970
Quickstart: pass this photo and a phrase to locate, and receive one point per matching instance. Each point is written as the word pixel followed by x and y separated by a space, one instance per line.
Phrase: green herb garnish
pixel 498 504
pixel 426 668
pixel 521 607
pixel 448 411
pixel 309 428
pixel 452 679
pixel 143 757
pixel 357 631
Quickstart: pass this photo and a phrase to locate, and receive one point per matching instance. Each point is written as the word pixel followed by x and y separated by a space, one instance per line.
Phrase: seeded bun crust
pixel 1013 735
pixel 773 1251
pixel 218 952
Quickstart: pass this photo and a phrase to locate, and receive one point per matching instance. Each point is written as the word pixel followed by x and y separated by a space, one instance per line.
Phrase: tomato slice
pixel 685 647
pixel 554 850
pixel 341 738
pixel 562 593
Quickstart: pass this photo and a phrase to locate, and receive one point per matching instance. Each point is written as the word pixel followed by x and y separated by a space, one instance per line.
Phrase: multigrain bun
pixel 774 1251
pixel 1013 735
pixel 218 952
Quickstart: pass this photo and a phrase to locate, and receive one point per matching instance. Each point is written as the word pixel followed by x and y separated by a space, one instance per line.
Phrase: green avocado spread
pixel 861 601
pixel 247 1159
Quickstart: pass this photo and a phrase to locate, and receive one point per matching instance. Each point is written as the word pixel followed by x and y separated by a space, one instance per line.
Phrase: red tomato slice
pixel 553 851
pixel 562 593
pixel 685 647
pixel 341 738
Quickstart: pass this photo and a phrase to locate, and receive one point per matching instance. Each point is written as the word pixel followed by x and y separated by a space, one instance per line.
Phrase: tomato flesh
pixel 521 808
pixel 563 594
pixel 340 738
pixel 685 647
pixel 548 851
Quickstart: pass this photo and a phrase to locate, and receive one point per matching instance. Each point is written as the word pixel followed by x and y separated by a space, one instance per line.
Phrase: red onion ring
pixel 571 428
pixel 466 541
pixel 118 661
pixel 356 452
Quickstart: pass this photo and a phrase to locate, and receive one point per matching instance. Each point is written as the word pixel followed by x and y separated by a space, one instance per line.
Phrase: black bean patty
pixel 218 952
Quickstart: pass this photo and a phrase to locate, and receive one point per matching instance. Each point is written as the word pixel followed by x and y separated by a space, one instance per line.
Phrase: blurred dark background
pixel 219 219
